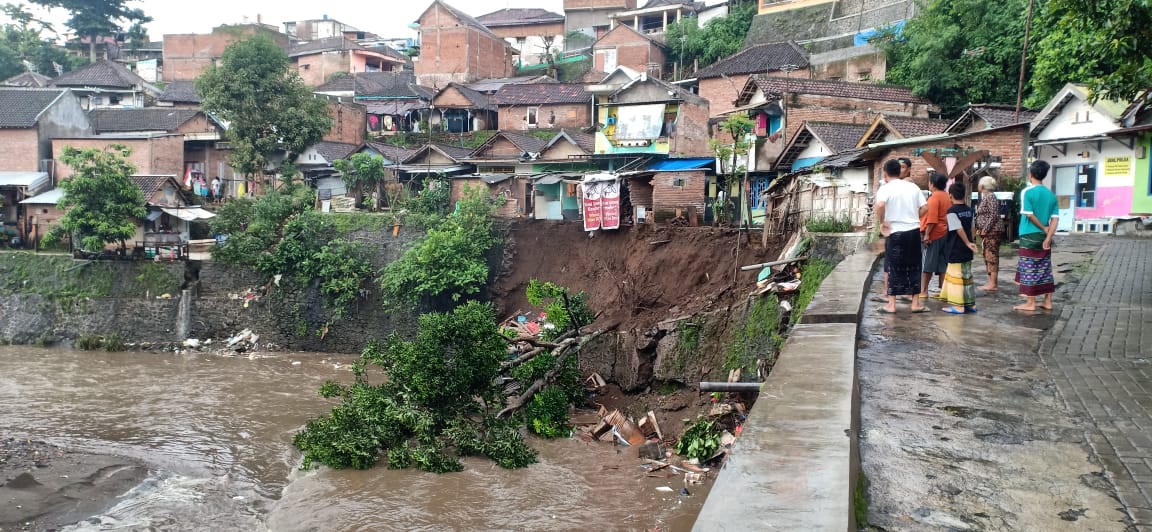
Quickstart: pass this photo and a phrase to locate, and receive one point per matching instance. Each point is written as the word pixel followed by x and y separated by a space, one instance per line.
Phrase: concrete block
pixel 792 467
pixel 841 296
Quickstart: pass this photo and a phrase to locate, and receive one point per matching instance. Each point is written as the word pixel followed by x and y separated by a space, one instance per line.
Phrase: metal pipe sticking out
pixel 743 387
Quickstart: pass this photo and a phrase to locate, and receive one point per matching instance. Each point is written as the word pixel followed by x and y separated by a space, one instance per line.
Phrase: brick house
pixel 779 107
pixel 624 46
pixel 532 32
pixel 543 106
pixel 463 109
pixel 886 128
pixel 392 101
pixel 457 47
pixel 29 120
pixel 722 82
pixel 593 17
pixel 107 84
pixel 154 153
pixel 317 61
pixel 187 55
pixel 349 121
pixel 648 116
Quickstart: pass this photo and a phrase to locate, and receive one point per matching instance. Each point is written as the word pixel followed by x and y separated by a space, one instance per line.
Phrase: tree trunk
pixel 92 49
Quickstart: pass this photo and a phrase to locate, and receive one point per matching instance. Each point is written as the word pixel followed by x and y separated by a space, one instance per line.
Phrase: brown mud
pixel 45 487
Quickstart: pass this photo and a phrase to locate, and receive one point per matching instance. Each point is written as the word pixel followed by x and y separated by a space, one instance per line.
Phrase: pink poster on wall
pixel 593 210
pixel 610 203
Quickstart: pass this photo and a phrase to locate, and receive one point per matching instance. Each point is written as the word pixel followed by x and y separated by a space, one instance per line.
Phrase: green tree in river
pixel 102 203
pixel 269 109
pixel 957 52
pixel 1102 43
pixel 99 18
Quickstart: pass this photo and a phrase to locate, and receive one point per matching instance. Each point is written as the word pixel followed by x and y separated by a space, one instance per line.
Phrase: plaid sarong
pixel 958 289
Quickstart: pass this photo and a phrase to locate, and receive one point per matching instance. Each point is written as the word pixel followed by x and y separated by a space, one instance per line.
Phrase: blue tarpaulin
pixel 672 165
pixel 865 36
pixel 801 164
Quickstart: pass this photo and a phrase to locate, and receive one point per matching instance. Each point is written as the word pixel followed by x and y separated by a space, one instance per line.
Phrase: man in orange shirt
pixel 933 229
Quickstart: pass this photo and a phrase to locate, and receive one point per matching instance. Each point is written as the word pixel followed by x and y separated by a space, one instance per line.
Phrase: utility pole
pixel 1024 59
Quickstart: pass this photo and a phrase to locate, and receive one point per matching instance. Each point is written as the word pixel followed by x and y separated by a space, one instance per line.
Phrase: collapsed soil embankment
pixel 636 277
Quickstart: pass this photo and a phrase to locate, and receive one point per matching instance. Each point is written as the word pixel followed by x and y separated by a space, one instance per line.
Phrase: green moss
pixel 860 501
pixel 688 335
pixel 758 337
pixel 811 275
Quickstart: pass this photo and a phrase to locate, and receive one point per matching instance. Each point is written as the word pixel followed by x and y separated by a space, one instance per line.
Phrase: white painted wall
pixel 1077 120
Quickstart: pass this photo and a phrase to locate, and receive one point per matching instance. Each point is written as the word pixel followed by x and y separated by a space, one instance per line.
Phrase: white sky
pixel 387 18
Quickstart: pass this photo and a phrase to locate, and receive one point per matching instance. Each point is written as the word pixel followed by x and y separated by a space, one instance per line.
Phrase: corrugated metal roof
pixel 672 165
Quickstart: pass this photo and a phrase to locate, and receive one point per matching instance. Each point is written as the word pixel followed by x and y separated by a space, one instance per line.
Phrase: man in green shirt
pixel 1039 215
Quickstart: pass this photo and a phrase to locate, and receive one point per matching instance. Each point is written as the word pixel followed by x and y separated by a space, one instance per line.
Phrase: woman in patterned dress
pixel 991 229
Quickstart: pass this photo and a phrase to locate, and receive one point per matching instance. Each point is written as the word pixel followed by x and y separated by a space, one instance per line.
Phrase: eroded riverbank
pixel 215 436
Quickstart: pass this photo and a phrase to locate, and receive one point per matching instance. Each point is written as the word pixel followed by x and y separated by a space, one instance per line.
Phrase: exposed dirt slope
pixel 636 276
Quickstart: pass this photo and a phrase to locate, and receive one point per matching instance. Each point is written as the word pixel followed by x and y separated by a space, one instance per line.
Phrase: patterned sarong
pixel 958 287
pixel 1034 271
pixel 902 262
pixel 991 243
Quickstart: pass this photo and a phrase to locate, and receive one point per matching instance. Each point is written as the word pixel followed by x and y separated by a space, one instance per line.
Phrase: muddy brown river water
pixel 215 433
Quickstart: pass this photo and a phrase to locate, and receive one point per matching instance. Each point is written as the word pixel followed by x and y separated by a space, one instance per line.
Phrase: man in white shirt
pixel 899 204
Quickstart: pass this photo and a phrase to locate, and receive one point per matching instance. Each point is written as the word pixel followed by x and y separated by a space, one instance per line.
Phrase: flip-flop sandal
pixel 879 299
pixel 920 310
pixel 886 311
pixel 950 310
pixel 937 296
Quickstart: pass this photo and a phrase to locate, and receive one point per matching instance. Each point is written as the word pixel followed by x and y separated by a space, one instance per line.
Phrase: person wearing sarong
pixel 1039 216
pixel 990 227
pixel 958 289
pixel 899 204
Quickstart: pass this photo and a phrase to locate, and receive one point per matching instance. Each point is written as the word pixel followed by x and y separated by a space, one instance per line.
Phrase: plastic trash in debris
pixel 192 342
pixel 664 488
pixel 295 362
pixel 684 492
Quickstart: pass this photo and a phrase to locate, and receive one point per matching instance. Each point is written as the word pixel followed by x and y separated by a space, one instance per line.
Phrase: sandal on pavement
pixel 886 311
pixel 950 310
pixel 920 310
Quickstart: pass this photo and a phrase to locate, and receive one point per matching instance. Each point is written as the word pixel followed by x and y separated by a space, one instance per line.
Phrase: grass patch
pixel 811 275
pixel 349 222
pixel 688 335
pixel 860 501
pixel 828 223
pixel 759 336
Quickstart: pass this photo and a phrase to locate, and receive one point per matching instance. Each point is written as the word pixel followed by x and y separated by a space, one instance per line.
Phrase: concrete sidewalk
pixel 989 421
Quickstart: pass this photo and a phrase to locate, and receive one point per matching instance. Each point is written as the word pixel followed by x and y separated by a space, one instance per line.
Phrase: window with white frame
pixel 532 118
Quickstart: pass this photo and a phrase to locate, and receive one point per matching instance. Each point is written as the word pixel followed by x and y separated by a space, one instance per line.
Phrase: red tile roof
pixel 542 94
pixel 845 89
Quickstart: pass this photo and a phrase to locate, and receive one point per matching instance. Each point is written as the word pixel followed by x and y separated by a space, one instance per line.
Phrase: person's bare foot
pixel 1026 307
pixel 988 288
pixel 1047 305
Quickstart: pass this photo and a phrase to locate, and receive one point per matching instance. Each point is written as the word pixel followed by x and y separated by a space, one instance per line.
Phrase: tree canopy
pixel 21 40
pixel 689 43
pixel 269 109
pixel 1102 43
pixel 361 171
pixel 95 18
pixel 103 204
pixel 957 52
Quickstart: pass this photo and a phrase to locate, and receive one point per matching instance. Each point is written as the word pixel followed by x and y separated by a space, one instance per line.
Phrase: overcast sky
pixel 387 18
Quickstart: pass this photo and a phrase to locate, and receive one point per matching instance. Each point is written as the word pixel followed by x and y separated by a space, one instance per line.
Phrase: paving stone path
pixel 1100 356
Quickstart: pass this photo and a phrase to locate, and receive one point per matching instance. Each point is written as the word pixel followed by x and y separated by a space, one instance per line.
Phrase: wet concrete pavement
pixel 1010 421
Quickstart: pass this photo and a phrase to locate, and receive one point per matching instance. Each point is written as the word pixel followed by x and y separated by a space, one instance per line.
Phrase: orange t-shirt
pixel 938 204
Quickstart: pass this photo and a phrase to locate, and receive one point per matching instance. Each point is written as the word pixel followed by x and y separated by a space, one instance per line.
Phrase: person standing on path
pixel 1039 216
pixel 933 229
pixel 990 227
pixel 899 204
pixel 958 247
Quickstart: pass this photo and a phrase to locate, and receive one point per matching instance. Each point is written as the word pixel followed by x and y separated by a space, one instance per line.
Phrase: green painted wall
pixel 1142 193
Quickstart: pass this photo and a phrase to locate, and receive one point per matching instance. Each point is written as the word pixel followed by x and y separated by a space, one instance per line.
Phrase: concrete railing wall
pixel 794 465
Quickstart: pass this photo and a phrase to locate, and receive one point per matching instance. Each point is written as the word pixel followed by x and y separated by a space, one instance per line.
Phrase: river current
pixel 216 435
